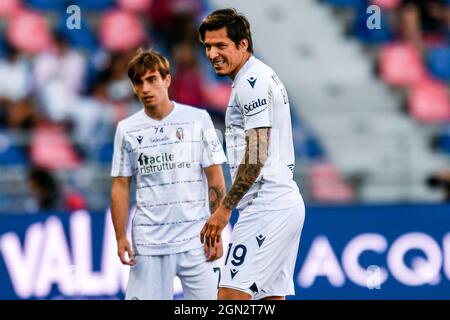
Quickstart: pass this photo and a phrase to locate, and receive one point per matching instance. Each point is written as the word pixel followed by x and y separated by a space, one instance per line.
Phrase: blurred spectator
pixel 187 80
pixel 441 180
pixel 59 77
pixel 15 71
pixel 92 118
pixel 47 194
pixel 422 22
pixel 174 21
pixel 45 190
pixel 22 115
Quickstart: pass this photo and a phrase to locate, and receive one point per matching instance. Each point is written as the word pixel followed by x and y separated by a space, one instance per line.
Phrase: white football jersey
pixel 259 99
pixel 166 159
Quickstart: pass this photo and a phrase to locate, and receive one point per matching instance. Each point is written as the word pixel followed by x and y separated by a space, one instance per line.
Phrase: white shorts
pixel 262 252
pixel 151 278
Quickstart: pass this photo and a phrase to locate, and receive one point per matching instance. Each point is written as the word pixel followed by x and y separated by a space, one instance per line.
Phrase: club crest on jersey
pixel 180 134
pixel 255 107
pixel 139 139
pixel 252 81
pixel 216 145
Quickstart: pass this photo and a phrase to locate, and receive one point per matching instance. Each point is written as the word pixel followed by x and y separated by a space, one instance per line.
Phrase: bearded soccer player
pixel 264 243
pixel 173 153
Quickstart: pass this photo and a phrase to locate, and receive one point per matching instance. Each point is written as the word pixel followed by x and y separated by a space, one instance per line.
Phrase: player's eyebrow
pixel 150 77
pixel 212 43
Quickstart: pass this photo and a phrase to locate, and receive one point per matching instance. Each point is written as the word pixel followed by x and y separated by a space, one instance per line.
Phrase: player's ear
pixel 167 80
pixel 243 45
pixel 134 88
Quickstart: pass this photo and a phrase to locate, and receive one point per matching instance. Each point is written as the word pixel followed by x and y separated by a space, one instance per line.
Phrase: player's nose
pixel 212 53
pixel 146 88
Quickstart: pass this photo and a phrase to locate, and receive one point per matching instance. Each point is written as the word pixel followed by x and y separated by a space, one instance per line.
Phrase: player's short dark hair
pixel 148 60
pixel 236 24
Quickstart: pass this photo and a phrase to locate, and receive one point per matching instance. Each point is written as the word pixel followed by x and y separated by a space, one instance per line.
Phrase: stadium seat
pixel 327 184
pixel 105 153
pixel 313 149
pixel 29 32
pixel 135 5
pixel 371 36
pixel 55 5
pixel 9 7
pixel 444 139
pixel 429 102
pixel 347 3
pixel 111 31
pixel 438 63
pixel 51 149
pixel 386 4
pixel 10 152
pixel 217 96
pixel 82 38
pixel 401 65
pixel 98 5
pixel 3 48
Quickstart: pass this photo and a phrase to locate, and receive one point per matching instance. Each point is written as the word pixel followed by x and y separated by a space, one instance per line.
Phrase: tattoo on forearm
pixel 255 156
pixel 215 197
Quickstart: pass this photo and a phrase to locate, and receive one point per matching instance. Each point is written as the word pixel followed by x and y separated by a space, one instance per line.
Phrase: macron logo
pixel 252 81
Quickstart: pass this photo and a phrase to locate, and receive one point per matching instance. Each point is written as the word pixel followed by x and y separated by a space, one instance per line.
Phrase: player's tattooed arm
pixel 256 154
pixel 216 186
pixel 216 195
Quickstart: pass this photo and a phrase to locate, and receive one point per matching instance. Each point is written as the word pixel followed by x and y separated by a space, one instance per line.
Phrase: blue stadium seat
pixel 82 38
pixel 438 63
pixel 3 47
pixel 347 3
pixel 371 36
pixel 10 153
pixel 444 140
pixel 105 153
pixel 95 4
pixel 54 5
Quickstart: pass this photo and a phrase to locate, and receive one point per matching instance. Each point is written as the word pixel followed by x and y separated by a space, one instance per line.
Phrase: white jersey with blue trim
pixel 259 99
pixel 166 159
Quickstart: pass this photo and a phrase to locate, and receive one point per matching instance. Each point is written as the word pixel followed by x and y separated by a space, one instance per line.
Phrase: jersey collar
pixel 150 119
pixel 250 62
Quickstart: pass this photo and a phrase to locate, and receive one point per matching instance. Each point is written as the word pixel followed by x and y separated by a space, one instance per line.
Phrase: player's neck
pixel 245 58
pixel 159 112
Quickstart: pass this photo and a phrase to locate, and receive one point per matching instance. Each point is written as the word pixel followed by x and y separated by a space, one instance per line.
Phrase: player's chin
pixel 221 72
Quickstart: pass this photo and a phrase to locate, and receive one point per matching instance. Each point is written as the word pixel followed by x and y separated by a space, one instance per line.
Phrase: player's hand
pixel 212 230
pixel 124 246
pixel 213 253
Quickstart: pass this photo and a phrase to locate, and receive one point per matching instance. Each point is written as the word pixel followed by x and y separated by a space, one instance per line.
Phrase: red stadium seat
pixel 29 32
pixel 327 184
pixel 135 5
pixel 51 149
pixel 429 102
pixel 120 31
pixel 386 4
pixel 217 96
pixel 9 7
pixel 401 65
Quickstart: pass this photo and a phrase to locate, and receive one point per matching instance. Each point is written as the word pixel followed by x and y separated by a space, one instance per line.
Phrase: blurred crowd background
pixel 63 90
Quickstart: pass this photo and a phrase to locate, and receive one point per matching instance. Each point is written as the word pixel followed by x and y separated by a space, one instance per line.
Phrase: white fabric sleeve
pixel 212 151
pixel 121 164
pixel 255 98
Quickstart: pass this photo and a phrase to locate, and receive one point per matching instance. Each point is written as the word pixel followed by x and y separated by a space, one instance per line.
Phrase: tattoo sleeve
pixel 215 196
pixel 256 153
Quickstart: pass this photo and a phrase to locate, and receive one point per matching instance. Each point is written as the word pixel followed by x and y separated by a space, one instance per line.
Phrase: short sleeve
pixel 255 98
pixel 212 151
pixel 121 164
